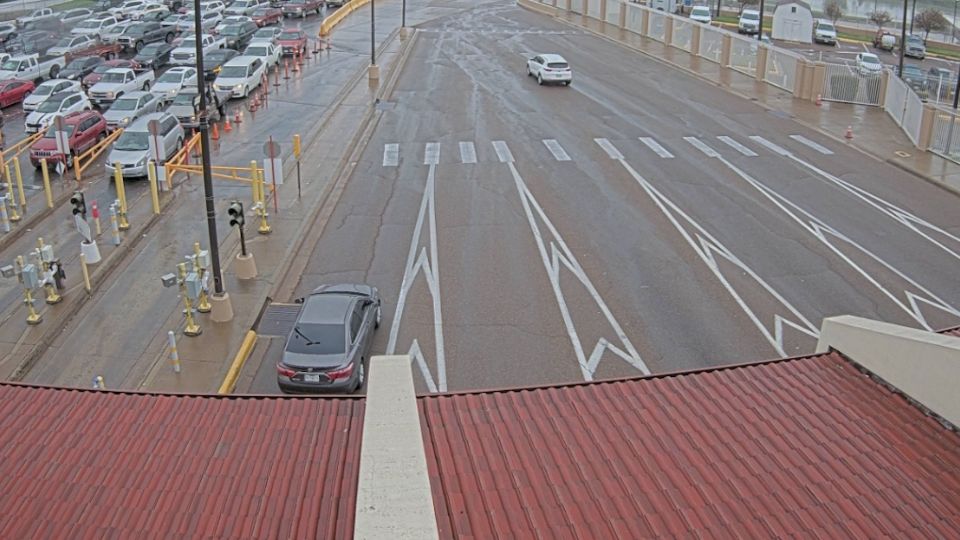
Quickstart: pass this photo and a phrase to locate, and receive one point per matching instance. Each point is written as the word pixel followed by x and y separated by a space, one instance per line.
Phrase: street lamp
pixel 373 71
pixel 903 37
pixel 760 25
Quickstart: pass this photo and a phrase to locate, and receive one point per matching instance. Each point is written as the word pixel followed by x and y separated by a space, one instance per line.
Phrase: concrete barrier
pixel 230 381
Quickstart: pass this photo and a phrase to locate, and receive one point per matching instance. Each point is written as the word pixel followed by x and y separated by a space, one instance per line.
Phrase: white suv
pixel 549 68
pixel 749 22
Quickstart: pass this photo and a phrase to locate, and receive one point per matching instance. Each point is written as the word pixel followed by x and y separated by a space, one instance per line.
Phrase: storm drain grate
pixel 278 319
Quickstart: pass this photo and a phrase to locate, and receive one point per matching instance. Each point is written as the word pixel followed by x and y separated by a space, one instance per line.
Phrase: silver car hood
pixel 116 116
pixel 126 157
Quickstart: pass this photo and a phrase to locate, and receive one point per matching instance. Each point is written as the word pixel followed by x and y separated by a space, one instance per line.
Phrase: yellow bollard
pixel 203 305
pixel 46 182
pixel 264 226
pixel 154 193
pixel 192 328
pixel 11 198
pixel 23 196
pixel 253 182
pixel 122 196
pixel 86 273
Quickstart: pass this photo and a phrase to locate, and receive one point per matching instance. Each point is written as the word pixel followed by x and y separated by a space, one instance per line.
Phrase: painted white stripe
pixel 468 153
pixel 812 144
pixel 503 152
pixel 773 147
pixel 431 154
pixel 609 148
pixel 737 146
pixel 558 152
pixel 391 155
pixel 702 146
pixel 655 146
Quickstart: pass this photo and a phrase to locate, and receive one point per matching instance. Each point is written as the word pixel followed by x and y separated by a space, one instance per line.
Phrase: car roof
pixel 178 69
pixel 550 57
pixel 54 82
pixel 76 116
pixel 326 308
pixel 135 94
pixel 140 124
pixel 59 96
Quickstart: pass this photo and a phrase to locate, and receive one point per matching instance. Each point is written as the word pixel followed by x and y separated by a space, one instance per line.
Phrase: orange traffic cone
pixel 819 100
pixel 216 132
pixel 849 133
pixel 227 128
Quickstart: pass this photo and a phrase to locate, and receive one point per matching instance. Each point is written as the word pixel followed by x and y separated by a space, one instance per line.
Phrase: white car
pixel 132 149
pixel 868 64
pixel 36 15
pixel 244 7
pixel 701 14
pixel 214 6
pixel 550 68
pixel 231 19
pixel 63 103
pixel 147 9
pixel 94 27
pixel 240 75
pixel 47 89
pixel 72 16
pixel 265 51
pixel 268 34
pixel 173 80
pixel 749 22
pixel 186 52
pixel 110 35
pixel 129 107
pixel 71 44
pixel 127 8
pixel 208 21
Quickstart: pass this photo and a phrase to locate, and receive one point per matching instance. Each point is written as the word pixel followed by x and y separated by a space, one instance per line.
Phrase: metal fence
pixel 576 6
pixel 711 43
pixel 743 55
pixel 593 9
pixel 658 25
pixel 781 68
pixel 634 20
pixel 613 12
pixel 904 106
pixel 843 82
pixel 682 34
pixel 946 133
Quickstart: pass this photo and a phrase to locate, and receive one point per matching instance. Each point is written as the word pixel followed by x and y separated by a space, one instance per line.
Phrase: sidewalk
pixel 875 133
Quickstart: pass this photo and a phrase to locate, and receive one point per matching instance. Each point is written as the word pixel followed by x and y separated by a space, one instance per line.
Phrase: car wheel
pixel 169 38
pixel 138 46
pixel 101 137
pixel 180 143
pixel 540 79
pixel 146 86
pixel 567 83
pixel 70 160
pixel 359 384
pixel 376 324
pixel 54 71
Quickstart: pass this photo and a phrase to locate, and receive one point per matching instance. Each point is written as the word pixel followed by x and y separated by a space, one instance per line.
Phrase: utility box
pixel 194 286
pixel 46 253
pixel 31 279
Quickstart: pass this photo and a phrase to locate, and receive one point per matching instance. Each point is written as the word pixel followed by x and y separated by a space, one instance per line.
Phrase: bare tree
pixel 930 20
pixel 880 18
pixel 833 10
pixel 743 4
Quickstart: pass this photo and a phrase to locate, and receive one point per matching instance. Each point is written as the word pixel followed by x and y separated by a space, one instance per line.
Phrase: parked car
pixel 300 8
pixel 138 35
pixel 186 53
pixel 265 51
pixel 128 8
pixel 154 16
pixel 265 16
pixel 173 81
pixel 79 68
pixel 916 79
pixel 186 106
pixel 132 148
pixel 14 91
pixel 208 21
pixel 31 67
pixel 46 89
pixel 868 64
pixel 749 22
pixel 237 36
pixel 243 7
pixel 84 129
pixel 330 340
pixel 176 20
pixel 71 44
pixel 36 15
pixel 129 107
pixel 58 104
pixel 232 19
pixel 98 71
pixel 292 41
pixel 31 42
pixel 95 26
pixel 824 32
pixel 548 68
pixel 271 34
pixel 884 40
pixel 212 6
pixel 52 24
pixel 940 81
pixel 117 82
pixel 915 47
pixel 213 62
pixel 73 16
pixel 150 9
pixel 240 75
pixel 111 35
pixel 154 56
pixel 701 14
pixel 7 31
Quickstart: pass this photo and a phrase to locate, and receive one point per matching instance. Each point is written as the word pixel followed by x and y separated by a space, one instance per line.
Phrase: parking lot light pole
pixel 953 23
pixel 373 71
pixel 760 24
pixel 903 38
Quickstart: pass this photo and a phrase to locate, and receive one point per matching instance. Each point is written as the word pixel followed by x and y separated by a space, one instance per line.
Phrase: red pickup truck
pixel 300 8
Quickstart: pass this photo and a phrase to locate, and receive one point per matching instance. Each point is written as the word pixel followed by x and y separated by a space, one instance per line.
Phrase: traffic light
pixel 79 204
pixel 235 211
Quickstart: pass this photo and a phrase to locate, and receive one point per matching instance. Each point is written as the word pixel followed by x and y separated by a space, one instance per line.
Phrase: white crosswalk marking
pixel 737 146
pixel 812 144
pixel 431 154
pixel 775 148
pixel 503 153
pixel 391 155
pixel 468 153
pixel 702 146
pixel 609 148
pixel 655 146
pixel 558 152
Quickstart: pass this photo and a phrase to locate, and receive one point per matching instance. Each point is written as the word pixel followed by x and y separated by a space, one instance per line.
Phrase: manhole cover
pixel 902 154
pixel 278 319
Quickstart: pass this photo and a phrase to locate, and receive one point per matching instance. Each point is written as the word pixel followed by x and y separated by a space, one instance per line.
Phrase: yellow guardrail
pixel 218 171
pixel 180 158
pixel 8 154
pixel 230 381
pixel 93 152
pixel 329 22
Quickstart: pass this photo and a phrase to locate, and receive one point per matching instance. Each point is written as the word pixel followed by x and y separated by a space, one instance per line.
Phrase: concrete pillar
pixel 819 75
pixel 623 14
pixel 927 122
pixel 761 63
pixel 645 23
pixel 800 79
pixel 567 6
pixel 695 41
pixel 584 8
pixel 668 30
pixel 884 81
pixel 726 43
pixel 603 10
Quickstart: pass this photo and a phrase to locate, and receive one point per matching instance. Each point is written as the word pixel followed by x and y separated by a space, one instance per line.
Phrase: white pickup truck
pixel 186 53
pixel 31 67
pixel 119 81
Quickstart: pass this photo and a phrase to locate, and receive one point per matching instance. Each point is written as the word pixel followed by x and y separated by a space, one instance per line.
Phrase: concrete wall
pixel 922 365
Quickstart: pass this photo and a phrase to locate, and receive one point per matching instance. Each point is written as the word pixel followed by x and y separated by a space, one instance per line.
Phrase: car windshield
pixel 10 65
pixel 65 42
pixel 151 49
pixel 51 105
pixel 113 77
pixel 265 32
pixel 216 56
pixel 125 104
pixel 43 90
pixel 171 77
pixel 260 12
pixel 289 35
pixel 103 68
pixel 914 40
pixel 89 24
pixel 701 11
pixel 184 99
pixel 751 16
pixel 256 51
pixel 870 59
pixel 50 134
pixel 137 29
pixel 77 64
pixel 132 141
pixel 231 30
pixel 233 72
pixel 318 339
pixel 825 26
pixel 190 43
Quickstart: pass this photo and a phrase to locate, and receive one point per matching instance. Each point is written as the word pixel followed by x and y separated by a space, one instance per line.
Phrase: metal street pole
pixel 903 38
pixel 373 41
pixel 205 153
pixel 953 23
pixel 403 14
pixel 913 15
pixel 760 27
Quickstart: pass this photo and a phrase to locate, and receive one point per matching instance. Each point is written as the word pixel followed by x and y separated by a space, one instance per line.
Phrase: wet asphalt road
pixel 529 236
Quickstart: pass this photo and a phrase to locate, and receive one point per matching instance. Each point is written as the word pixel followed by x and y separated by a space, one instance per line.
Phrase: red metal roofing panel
pixel 801 447
pixel 82 463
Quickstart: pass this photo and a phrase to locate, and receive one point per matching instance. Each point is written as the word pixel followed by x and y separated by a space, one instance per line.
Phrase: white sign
pixel 273 171
pixel 154 147
pixel 63 142
pixel 60 168
pixel 83 227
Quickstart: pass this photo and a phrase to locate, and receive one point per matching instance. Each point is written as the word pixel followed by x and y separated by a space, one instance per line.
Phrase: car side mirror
pixel 298 300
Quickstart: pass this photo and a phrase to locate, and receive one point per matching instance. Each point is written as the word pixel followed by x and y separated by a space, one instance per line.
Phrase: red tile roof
pixel 809 447
pixel 90 464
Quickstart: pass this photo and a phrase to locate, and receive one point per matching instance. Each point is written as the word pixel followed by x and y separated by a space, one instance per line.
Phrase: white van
pixel 133 149
pixel 240 75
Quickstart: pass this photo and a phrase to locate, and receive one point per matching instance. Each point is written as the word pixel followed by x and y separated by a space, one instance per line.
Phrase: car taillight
pixel 284 370
pixel 341 373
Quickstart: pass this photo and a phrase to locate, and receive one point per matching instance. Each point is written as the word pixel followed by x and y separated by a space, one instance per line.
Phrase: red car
pixel 267 15
pixel 13 91
pixel 292 40
pixel 97 74
pixel 84 128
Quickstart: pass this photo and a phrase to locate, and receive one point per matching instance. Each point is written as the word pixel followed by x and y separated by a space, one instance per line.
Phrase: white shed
pixel 793 21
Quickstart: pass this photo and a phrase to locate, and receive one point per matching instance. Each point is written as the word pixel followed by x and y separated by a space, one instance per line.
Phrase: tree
pixel 880 18
pixel 930 20
pixel 745 3
pixel 833 10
